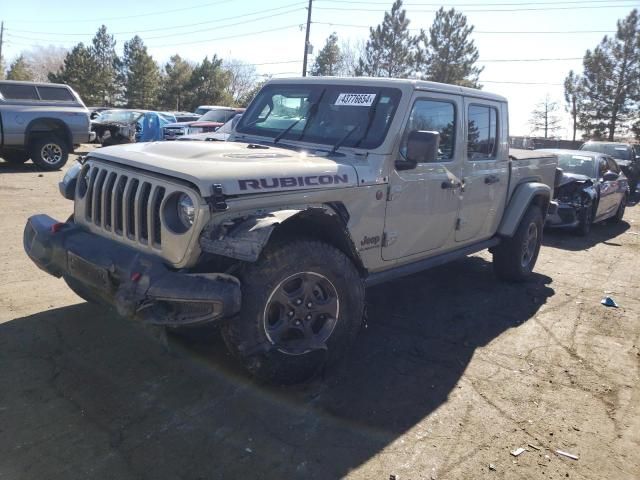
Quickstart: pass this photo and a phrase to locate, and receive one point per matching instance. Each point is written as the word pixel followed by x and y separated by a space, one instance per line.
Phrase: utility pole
pixel 1 34
pixel 306 41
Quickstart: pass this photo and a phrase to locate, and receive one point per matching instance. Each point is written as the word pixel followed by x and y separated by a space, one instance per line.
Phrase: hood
pixel 568 178
pixel 240 168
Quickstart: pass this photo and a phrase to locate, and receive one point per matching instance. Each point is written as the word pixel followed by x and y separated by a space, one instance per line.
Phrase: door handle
pixel 490 179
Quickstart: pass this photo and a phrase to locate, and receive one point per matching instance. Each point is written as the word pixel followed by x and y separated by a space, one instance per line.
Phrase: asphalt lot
pixel 453 371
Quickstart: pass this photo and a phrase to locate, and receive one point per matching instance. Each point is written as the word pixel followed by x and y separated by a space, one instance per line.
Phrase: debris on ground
pixel 567 454
pixel 518 451
pixel 533 446
pixel 492 467
pixel 609 302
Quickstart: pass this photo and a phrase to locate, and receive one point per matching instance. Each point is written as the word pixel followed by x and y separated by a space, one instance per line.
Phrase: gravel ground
pixel 453 371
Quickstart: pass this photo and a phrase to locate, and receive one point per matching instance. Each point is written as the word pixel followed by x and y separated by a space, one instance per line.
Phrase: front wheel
pixel 302 304
pixel 585 222
pixel 515 257
pixel 49 153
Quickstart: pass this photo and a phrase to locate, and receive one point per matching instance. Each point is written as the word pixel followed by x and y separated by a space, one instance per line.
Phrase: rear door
pixel 485 171
pixel 422 204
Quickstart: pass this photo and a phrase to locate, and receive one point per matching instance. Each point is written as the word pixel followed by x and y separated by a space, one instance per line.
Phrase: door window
pixel 613 166
pixel 12 91
pixel 602 167
pixel 482 132
pixel 434 116
pixel 55 93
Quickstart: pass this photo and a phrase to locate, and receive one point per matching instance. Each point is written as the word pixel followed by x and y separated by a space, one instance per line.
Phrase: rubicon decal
pixel 288 182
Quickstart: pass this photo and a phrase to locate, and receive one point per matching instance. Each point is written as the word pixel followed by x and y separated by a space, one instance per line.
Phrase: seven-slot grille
pixel 123 205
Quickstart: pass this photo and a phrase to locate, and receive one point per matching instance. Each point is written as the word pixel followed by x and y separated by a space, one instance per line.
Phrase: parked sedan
pixel 209 122
pixel 592 188
pixel 118 126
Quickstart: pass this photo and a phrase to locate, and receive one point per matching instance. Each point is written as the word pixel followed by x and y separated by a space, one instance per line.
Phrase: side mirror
pixel 422 147
pixel 610 176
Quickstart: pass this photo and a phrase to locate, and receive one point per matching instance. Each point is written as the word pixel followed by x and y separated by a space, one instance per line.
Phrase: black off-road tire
pixel 617 218
pixel 246 334
pixel 509 260
pixel 586 222
pixel 49 152
pixel 16 157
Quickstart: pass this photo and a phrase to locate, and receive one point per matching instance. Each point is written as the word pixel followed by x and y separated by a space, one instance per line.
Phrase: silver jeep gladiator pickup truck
pixel 41 121
pixel 325 187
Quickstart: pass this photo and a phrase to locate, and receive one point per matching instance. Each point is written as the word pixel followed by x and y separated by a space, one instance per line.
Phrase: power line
pixel 541 32
pixel 187 25
pixel 277 29
pixel 479 11
pixel 218 27
pixel 456 5
pixel 126 17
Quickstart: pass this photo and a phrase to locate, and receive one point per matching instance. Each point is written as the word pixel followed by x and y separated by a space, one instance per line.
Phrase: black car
pixel 590 188
pixel 626 156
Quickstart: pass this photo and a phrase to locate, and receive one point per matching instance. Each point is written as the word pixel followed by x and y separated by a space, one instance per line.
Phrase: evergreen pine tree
pixel 177 73
pixel 78 71
pixel 611 81
pixel 449 55
pixel 328 62
pixel 106 82
pixel 142 75
pixel 391 49
pixel 19 70
pixel 208 84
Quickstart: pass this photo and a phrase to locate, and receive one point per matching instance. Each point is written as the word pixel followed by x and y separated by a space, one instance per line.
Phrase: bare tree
pixel 43 60
pixel 351 52
pixel 242 78
pixel 544 117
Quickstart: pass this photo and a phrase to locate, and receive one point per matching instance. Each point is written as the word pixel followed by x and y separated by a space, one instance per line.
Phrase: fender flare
pixel 68 138
pixel 244 236
pixel 524 195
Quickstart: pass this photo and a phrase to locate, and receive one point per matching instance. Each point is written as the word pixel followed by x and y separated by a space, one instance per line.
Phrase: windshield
pixel 202 110
pixel 219 116
pixel 121 116
pixel 365 111
pixel 581 164
pixel 616 151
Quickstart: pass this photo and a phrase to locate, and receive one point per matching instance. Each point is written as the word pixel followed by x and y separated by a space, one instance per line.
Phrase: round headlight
pixel 186 210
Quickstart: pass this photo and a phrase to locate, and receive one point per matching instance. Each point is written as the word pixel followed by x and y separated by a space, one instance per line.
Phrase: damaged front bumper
pixel 563 215
pixel 137 285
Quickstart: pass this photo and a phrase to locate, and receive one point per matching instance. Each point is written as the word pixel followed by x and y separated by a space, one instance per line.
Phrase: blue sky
pixel 271 34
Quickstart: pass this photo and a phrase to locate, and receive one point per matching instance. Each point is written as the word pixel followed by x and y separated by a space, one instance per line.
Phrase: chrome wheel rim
pixel 301 313
pixel 529 245
pixel 51 153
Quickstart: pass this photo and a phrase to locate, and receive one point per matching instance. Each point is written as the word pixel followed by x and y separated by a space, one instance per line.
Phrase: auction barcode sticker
pixel 356 99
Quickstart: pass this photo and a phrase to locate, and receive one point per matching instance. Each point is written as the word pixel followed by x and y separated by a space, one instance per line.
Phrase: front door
pixel 422 205
pixel 485 171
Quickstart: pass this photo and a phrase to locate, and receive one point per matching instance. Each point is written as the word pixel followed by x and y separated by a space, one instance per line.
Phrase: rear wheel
pixel 302 305
pixel 16 157
pixel 49 152
pixel 515 257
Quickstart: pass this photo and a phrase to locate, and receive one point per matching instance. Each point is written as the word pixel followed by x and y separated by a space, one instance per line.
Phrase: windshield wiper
pixel 313 108
pixel 372 114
